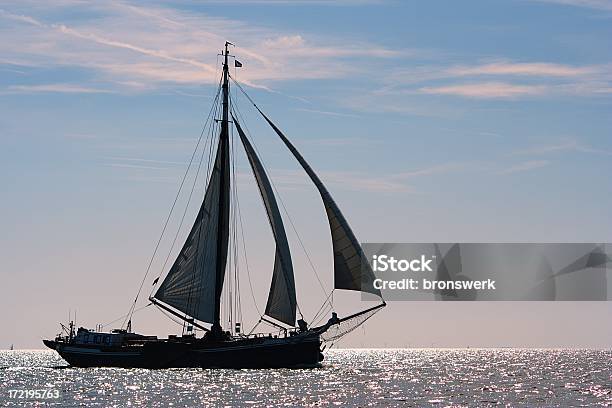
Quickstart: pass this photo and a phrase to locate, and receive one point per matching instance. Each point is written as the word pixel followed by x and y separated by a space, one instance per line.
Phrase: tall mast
pixel 223 221
pixel 225 120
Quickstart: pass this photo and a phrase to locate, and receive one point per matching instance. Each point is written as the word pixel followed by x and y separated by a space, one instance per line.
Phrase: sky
pixel 436 121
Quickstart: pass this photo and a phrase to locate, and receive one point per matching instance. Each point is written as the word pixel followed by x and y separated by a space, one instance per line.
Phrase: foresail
pixel 282 302
pixel 191 284
pixel 351 270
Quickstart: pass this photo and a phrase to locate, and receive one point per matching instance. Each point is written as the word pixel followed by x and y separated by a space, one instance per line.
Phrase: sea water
pixel 356 377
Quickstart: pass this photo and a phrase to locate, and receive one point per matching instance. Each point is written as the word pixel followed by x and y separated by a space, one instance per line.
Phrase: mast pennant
pixel 351 269
pixel 282 302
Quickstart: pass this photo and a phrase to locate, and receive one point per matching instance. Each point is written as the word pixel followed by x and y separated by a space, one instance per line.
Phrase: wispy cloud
pixel 192 95
pixel 345 180
pixel 541 69
pixel 492 134
pixel 81 136
pixel 486 90
pixel 366 182
pixel 137 169
pixel 347 3
pixel 328 113
pixel 525 166
pixel 564 146
pixel 359 181
pixel 338 141
pixel 157 46
pixel 141 160
pixel 54 88
pixel 15 71
pixel 296 45
pixel 159 54
pixel 152 46
pixel 20 18
pixel 428 171
pixel 135 166
pixel 503 79
pixel 148 178
pixel 593 4
pixel 499 68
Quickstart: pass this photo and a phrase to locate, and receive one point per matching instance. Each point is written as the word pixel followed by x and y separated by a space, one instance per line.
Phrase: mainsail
pixel 351 270
pixel 282 302
pixel 193 284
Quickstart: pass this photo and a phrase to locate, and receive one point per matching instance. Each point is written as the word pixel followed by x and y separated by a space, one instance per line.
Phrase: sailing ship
pixel 191 291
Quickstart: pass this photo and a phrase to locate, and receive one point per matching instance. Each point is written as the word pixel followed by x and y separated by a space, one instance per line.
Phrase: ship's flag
pixel 237 64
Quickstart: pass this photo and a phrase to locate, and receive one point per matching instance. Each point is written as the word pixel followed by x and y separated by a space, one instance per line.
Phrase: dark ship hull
pixel 297 351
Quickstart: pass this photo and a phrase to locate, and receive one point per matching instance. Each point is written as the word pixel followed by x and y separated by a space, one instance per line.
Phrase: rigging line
pixel 213 130
pixel 274 188
pixel 279 196
pixel 254 327
pixel 208 138
pixel 326 302
pixel 210 132
pixel 319 319
pixel 210 135
pixel 289 215
pixel 243 91
pixel 190 300
pixel 130 313
pixel 246 260
pixel 322 315
pixel 232 300
pixel 275 326
pixel 224 313
pixel 236 300
pixel 230 252
pixel 208 126
pixel 271 182
pixel 321 312
pixel 285 208
pixel 122 316
pixel 169 316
